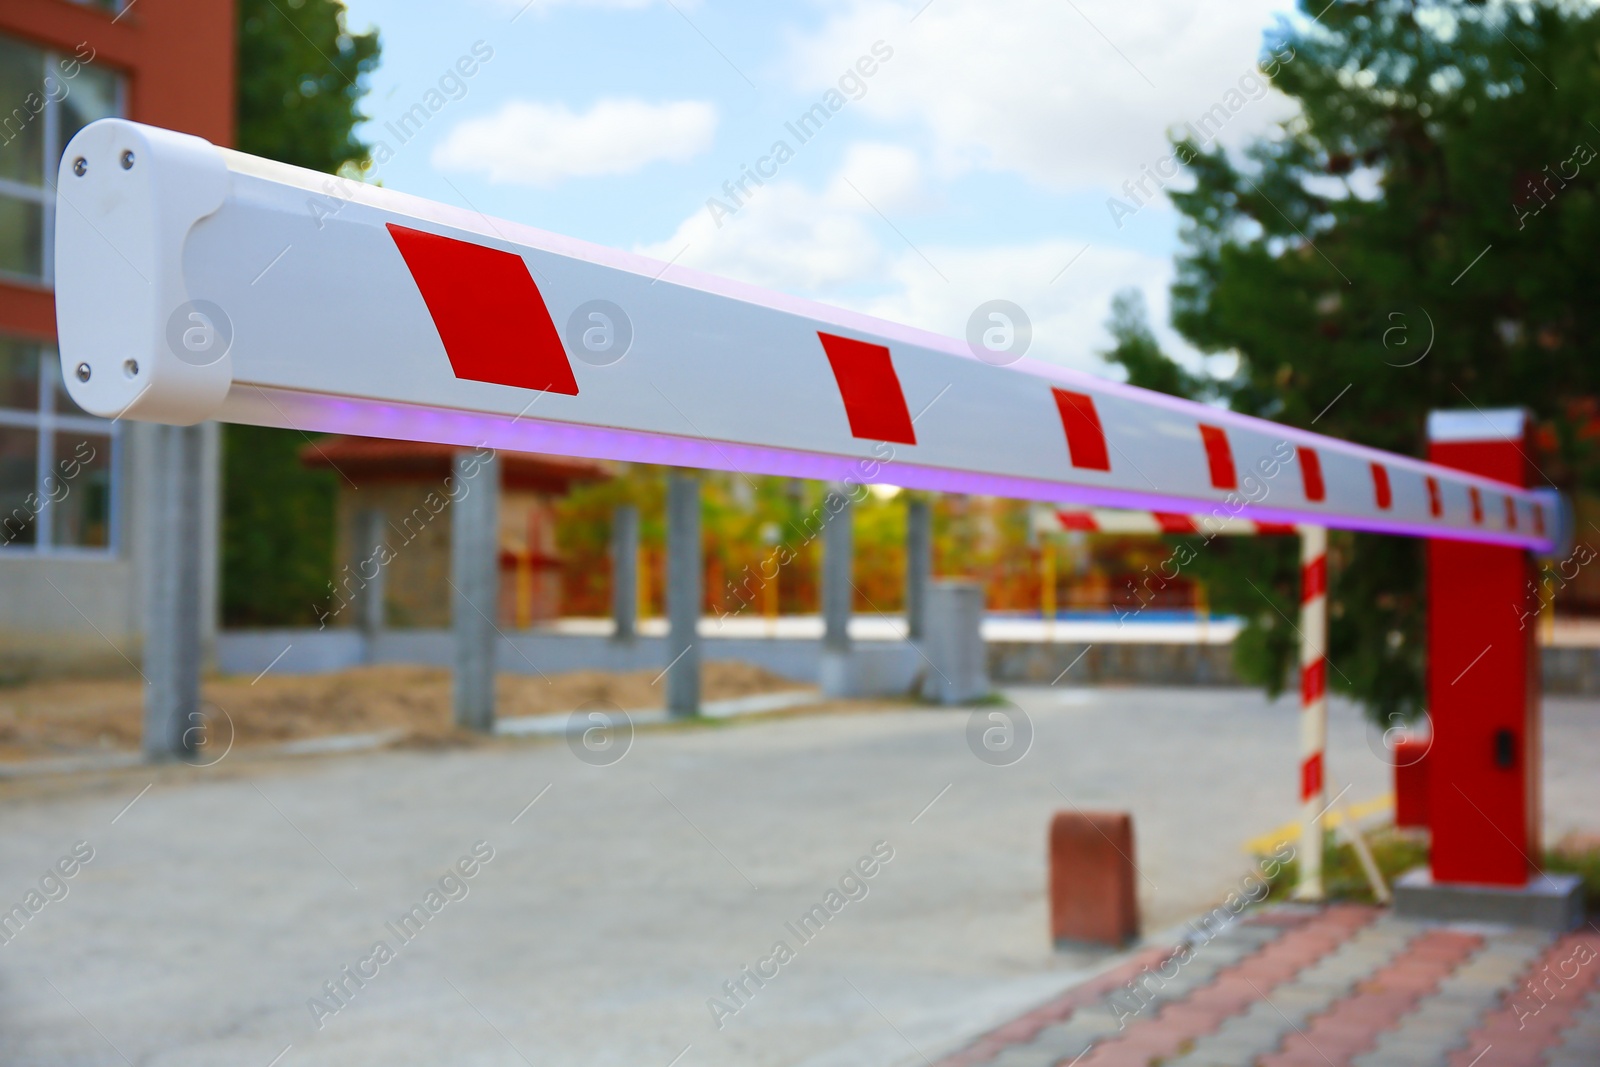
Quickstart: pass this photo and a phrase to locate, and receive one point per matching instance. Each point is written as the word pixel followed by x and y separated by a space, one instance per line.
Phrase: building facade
pixel 72 525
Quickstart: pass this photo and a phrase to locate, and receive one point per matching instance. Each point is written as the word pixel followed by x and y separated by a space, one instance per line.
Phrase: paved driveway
pixel 596 924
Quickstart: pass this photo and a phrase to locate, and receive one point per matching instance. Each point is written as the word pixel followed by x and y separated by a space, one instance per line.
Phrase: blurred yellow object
pixel 1047 587
pixel 524 589
pixel 769 605
pixel 1289 832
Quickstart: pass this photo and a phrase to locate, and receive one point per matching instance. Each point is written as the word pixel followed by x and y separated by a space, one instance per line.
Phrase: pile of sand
pixel 66 717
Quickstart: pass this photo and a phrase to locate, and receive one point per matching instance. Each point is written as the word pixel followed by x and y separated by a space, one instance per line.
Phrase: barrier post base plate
pixel 1548 902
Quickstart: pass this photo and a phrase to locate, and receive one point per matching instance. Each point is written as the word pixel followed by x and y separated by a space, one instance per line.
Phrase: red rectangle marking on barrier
pixel 1435 505
pixel 1511 514
pixel 1086 438
pixel 1380 487
pixel 873 400
pixel 1311 474
pixel 1311 778
pixel 1174 524
pixel 490 315
pixel 1314 579
pixel 1219 457
pixel 1077 521
pixel 1477 504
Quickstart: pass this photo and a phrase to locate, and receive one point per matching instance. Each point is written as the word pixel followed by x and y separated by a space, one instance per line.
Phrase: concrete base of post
pixel 957 667
pixel 1551 902
pixel 837 675
pixel 868 669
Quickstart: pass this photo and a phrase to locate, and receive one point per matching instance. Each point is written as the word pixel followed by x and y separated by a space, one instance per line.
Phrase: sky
pixel 964 151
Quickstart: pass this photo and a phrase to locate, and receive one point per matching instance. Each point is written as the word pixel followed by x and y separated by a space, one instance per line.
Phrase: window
pixel 45 98
pixel 56 463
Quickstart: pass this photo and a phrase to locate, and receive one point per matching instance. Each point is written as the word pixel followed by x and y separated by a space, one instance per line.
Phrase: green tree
pixel 301 78
pixel 1137 351
pixel 1420 235
pixel 302 74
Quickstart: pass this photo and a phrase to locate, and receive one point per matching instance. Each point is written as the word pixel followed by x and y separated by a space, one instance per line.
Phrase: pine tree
pixel 1420 235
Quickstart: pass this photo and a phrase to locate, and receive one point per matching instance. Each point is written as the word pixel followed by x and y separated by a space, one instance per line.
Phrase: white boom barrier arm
pixel 196 283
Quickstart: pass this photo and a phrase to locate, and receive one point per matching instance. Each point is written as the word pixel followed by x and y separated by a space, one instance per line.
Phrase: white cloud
pixel 519 7
pixel 1067 305
pixel 1069 95
pixel 784 236
pixel 830 245
pixel 888 176
pixel 531 143
pixel 1073 97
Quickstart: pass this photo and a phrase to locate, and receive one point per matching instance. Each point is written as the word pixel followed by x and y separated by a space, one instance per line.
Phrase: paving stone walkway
pixel 1339 986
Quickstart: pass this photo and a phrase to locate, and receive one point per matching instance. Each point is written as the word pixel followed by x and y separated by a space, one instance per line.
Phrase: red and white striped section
pixel 1123 521
pixel 1313 641
pixel 328 305
pixel 1313 706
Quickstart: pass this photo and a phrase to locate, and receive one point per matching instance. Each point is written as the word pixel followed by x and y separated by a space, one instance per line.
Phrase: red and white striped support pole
pixel 1313 706
pixel 1313 643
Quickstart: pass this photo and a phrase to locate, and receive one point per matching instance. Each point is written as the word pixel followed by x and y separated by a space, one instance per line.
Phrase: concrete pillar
pixel 919 566
pixel 210 541
pixel 957 667
pixel 172 721
pixel 838 674
pixel 372 533
pixel 475 580
pixel 838 550
pixel 625 571
pixel 685 583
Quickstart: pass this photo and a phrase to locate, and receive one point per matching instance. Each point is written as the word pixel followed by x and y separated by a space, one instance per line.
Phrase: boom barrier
pixel 194 282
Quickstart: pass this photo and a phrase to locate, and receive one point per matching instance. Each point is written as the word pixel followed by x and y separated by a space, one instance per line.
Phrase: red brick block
pixel 1092 891
pixel 1411 781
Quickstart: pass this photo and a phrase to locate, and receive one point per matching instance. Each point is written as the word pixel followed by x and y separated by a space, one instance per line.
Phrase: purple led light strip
pixel 320 413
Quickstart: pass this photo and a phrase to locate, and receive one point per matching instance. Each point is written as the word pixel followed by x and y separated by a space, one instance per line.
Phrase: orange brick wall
pixel 177 57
